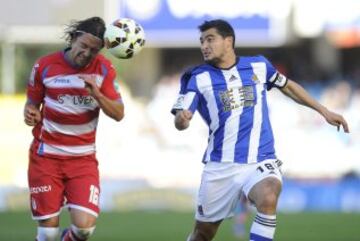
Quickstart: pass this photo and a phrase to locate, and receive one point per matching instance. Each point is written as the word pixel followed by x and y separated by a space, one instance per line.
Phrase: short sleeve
pixel 110 88
pixel 35 89
pixel 273 77
pixel 187 98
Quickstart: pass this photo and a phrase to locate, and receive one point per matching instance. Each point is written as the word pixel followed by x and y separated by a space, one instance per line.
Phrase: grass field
pixel 173 226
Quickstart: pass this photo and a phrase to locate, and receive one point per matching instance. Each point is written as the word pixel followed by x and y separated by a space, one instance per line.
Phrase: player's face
pixel 84 48
pixel 213 46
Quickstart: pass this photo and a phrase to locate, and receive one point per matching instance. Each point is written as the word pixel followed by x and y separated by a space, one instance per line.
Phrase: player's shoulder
pixel 253 59
pixel 102 59
pixel 105 63
pixel 50 58
pixel 195 70
pixel 187 75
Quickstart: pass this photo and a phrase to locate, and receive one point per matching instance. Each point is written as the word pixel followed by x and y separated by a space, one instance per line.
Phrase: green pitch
pixel 172 226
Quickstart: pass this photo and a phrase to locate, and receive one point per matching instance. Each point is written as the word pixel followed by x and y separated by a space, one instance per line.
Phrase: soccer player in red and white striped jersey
pixel 65 93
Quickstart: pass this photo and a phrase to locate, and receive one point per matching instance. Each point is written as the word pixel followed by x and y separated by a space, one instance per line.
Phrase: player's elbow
pixel 119 116
pixel 119 113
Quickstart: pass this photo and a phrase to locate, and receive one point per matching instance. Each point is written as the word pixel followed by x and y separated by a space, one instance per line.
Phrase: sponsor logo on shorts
pixel 200 210
pixel 39 189
pixel 33 203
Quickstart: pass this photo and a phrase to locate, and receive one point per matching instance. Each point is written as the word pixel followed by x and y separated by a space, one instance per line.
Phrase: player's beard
pixel 214 61
pixel 82 61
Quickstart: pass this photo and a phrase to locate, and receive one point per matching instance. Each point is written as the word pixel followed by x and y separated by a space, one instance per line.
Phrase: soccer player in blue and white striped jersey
pixel 229 92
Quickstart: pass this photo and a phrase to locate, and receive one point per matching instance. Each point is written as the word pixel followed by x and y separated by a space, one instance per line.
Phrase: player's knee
pixel 82 233
pixel 47 233
pixel 203 235
pixel 268 203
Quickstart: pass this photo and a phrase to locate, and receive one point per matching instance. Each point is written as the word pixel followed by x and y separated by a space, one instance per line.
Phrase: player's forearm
pixel 301 96
pixel 111 108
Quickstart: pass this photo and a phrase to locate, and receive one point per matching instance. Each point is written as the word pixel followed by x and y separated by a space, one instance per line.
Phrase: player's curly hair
pixel 93 25
pixel 222 27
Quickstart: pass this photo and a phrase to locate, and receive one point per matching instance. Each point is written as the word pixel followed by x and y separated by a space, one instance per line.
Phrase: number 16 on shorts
pixel 94 195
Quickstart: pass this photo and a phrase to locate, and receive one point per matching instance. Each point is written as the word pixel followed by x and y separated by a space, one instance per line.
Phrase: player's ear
pixel 229 41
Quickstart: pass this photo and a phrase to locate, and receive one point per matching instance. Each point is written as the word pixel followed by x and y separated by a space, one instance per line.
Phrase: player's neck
pixel 227 62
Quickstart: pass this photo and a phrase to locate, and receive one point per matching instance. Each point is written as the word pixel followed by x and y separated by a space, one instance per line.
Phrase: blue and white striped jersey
pixel 233 104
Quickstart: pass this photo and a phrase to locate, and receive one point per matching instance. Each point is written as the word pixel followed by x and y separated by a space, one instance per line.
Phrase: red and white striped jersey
pixel 69 113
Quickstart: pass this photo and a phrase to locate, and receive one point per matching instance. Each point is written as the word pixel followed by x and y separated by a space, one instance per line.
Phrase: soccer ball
pixel 124 38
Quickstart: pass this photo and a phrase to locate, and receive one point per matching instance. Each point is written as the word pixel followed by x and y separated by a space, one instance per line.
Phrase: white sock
pixel 263 227
pixel 47 233
pixel 189 237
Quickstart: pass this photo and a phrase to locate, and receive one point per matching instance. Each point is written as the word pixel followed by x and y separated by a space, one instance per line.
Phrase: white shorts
pixel 222 184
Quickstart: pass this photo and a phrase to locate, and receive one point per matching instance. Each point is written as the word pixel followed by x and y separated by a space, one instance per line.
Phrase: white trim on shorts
pixel 46 216
pixel 81 208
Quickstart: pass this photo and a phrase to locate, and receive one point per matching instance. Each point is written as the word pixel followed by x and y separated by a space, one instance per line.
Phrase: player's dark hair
pixel 222 27
pixel 93 25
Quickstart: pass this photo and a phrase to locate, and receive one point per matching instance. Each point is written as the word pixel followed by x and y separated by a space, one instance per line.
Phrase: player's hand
pixel 336 120
pixel 182 119
pixel 32 115
pixel 91 86
pixel 184 115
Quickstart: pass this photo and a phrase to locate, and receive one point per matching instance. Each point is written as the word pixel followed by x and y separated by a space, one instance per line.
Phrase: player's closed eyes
pixel 92 50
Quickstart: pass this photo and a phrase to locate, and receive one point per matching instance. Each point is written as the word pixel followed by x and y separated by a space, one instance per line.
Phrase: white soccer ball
pixel 124 38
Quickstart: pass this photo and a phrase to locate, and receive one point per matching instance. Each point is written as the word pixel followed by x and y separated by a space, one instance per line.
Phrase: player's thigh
pixel 218 193
pixel 264 183
pixel 46 188
pixel 266 192
pixel 50 222
pixel 82 189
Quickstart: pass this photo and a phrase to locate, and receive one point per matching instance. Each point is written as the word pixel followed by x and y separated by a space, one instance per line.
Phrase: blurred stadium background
pixel 149 170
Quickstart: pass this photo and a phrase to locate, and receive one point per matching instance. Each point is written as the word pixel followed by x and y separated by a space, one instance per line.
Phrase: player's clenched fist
pixel 182 119
pixel 90 85
pixel 32 115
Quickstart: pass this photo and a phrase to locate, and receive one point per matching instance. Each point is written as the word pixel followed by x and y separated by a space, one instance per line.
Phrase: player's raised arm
pixel 112 108
pixel 301 96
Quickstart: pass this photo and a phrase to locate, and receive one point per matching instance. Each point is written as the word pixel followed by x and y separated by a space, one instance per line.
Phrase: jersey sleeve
pixel 35 90
pixel 273 77
pixel 110 88
pixel 187 98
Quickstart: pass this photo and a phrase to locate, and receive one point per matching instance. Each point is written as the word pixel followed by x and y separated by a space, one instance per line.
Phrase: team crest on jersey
pixel 255 79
